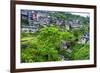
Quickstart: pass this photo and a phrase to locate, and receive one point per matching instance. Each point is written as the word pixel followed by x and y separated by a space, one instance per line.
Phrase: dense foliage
pixel 45 45
pixel 80 52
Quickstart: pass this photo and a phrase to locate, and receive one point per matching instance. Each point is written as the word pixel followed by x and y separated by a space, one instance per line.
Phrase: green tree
pixel 45 45
pixel 80 52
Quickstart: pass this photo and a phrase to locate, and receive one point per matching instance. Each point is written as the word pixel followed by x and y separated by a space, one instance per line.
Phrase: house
pixel 85 38
pixel 28 29
pixel 24 14
pixel 24 17
pixel 72 24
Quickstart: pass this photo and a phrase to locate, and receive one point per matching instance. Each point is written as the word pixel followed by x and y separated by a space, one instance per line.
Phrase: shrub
pixel 80 52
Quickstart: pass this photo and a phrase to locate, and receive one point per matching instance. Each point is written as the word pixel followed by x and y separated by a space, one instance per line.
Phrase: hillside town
pixel 33 20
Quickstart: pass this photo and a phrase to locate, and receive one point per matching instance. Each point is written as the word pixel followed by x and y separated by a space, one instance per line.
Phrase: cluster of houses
pixel 40 18
pixel 34 20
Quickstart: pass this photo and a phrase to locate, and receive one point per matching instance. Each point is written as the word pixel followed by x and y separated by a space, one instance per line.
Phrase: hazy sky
pixel 81 14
